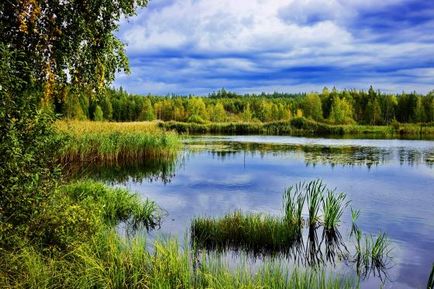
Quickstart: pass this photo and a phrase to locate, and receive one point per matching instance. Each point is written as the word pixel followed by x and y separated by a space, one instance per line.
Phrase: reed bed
pixel 333 206
pixel 109 261
pixel 108 142
pixel 257 233
pixel 318 198
pixel 115 205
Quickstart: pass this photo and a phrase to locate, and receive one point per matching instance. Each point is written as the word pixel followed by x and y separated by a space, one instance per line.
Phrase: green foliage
pixel 73 36
pixel 98 114
pixel 27 146
pixel 312 107
pixel 341 111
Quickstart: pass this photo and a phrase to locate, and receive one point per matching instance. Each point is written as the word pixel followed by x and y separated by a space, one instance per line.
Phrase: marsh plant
pixel 333 207
pixel 314 196
pixel 372 254
pixel 293 202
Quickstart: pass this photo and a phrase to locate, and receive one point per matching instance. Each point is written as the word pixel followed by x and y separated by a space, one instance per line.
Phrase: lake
pixel 390 181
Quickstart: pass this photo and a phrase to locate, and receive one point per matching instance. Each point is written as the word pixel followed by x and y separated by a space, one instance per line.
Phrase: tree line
pixel 370 107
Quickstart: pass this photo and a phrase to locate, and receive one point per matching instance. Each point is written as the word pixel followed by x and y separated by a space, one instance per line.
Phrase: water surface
pixel 391 181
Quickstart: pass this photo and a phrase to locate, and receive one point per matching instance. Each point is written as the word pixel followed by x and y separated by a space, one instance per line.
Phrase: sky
pixel 251 46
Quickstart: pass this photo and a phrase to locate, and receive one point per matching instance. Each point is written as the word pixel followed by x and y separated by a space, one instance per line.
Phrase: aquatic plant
pixel 114 142
pixel 293 202
pixel 372 254
pixel 256 233
pixel 114 204
pixel 333 208
pixel 355 213
pixel 110 261
pixel 314 196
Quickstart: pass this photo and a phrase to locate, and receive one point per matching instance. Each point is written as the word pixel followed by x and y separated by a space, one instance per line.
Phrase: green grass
pixel 293 202
pixel 314 197
pixel 109 261
pixel 303 127
pixel 86 141
pixel 255 233
pixel 115 205
pixel 333 207
pixel 372 254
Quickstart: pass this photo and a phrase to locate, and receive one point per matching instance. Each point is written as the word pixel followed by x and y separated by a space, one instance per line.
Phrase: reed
pixel 333 208
pixel 107 142
pixel 372 254
pixel 314 196
pixel 109 261
pixel 293 202
pixel 256 233
pixel 355 214
pixel 115 205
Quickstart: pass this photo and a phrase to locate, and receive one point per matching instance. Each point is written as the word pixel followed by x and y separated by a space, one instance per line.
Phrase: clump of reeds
pixel 293 202
pixel 256 233
pixel 114 142
pixel 115 204
pixel 372 254
pixel 333 207
pixel 314 197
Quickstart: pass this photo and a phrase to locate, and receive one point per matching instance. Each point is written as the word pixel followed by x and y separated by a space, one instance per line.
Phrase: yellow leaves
pixel 29 11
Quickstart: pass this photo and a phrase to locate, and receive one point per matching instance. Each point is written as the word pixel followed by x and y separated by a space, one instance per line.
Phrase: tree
pixel 147 112
pixel 44 46
pixel 196 109
pixel 341 111
pixel 98 114
pixel 312 106
pixel 218 112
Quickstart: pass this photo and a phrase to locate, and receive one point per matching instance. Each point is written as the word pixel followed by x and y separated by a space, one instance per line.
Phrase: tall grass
pixel 256 233
pixel 109 261
pixel 293 202
pixel 333 206
pixel 113 142
pixel 372 254
pixel 115 204
pixel 314 196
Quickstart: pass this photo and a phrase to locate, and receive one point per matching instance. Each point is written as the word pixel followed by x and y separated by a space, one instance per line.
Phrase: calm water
pixel 391 181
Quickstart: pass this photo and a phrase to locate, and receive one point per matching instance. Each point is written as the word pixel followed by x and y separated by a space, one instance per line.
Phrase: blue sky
pixel 199 46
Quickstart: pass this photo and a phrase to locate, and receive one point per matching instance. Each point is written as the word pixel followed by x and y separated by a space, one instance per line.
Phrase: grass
pixel 293 202
pixel 314 197
pixel 115 204
pixel 256 233
pixel 109 261
pixel 303 127
pixel 372 254
pixel 107 142
pixel 333 206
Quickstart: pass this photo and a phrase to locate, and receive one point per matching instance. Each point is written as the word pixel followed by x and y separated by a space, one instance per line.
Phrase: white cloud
pixel 189 41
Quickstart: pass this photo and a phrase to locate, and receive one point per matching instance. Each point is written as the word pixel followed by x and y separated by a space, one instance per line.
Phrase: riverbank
pixel 303 127
pixel 79 247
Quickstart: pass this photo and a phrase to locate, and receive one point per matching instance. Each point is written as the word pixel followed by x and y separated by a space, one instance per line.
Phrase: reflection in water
pixel 121 172
pixel 213 178
pixel 325 155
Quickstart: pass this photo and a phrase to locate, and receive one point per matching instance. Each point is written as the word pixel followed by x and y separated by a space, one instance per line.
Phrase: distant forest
pixel 330 106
